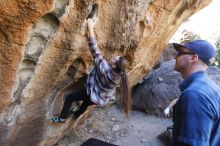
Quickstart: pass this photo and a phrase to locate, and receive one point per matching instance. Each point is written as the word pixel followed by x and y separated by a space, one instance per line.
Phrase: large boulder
pixel 158 88
pixel 214 74
pixel 44 47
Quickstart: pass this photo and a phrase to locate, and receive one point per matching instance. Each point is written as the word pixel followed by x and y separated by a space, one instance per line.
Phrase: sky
pixel 205 23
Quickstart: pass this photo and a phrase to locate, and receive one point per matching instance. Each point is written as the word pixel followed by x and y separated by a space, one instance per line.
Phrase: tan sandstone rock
pixel 44 47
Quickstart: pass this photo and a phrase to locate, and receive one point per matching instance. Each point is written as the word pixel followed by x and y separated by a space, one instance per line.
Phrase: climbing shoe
pixel 57 119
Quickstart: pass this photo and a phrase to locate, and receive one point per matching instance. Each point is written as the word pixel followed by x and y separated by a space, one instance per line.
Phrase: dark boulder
pixel 153 94
pixel 157 89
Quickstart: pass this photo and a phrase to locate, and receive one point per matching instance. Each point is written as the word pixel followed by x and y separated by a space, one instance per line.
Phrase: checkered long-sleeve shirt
pixel 102 80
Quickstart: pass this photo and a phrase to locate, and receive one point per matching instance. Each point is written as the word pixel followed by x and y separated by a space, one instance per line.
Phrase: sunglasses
pixel 184 53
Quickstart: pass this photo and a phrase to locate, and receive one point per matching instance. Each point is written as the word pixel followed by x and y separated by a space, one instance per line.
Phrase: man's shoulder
pixel 202 93
pixel 203 85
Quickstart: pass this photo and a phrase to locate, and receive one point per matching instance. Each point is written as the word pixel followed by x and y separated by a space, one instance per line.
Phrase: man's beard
pixel 178 68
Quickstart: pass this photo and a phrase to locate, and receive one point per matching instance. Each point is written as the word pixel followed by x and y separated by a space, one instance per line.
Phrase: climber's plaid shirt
pixel 97 91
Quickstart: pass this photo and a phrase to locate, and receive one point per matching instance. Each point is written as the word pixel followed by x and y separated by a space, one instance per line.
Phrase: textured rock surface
pixel 157 89
pixel 43 47
pixel 214 74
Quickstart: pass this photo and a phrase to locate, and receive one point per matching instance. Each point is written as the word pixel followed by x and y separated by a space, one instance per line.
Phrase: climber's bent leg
pixel 77 95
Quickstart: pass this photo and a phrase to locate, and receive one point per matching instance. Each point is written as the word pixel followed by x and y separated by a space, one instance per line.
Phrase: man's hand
pixel 167 112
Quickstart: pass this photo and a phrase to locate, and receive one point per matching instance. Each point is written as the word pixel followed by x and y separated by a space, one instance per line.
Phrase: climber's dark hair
pixel 125 92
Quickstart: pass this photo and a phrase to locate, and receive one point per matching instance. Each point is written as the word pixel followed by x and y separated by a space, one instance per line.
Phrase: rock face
pixel 43 47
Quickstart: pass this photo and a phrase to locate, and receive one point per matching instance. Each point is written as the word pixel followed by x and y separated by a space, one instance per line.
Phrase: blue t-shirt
pixel 197 112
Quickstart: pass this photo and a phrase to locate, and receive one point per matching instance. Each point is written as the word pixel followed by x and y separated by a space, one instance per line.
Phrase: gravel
pixel 110 125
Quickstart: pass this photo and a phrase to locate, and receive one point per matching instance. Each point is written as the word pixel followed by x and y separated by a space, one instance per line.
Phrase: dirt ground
pixel 110 125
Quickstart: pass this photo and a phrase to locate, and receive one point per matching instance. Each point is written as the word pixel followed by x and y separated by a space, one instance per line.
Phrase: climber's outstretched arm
pixel 92 41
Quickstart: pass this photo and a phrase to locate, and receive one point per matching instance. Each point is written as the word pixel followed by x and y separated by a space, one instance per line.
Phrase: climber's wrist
pixel 91 32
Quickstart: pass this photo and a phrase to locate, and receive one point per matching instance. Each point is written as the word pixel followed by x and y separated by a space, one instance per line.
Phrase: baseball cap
pixel 205 50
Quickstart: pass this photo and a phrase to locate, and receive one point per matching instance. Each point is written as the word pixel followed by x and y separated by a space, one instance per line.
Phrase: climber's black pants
pixel 76 95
